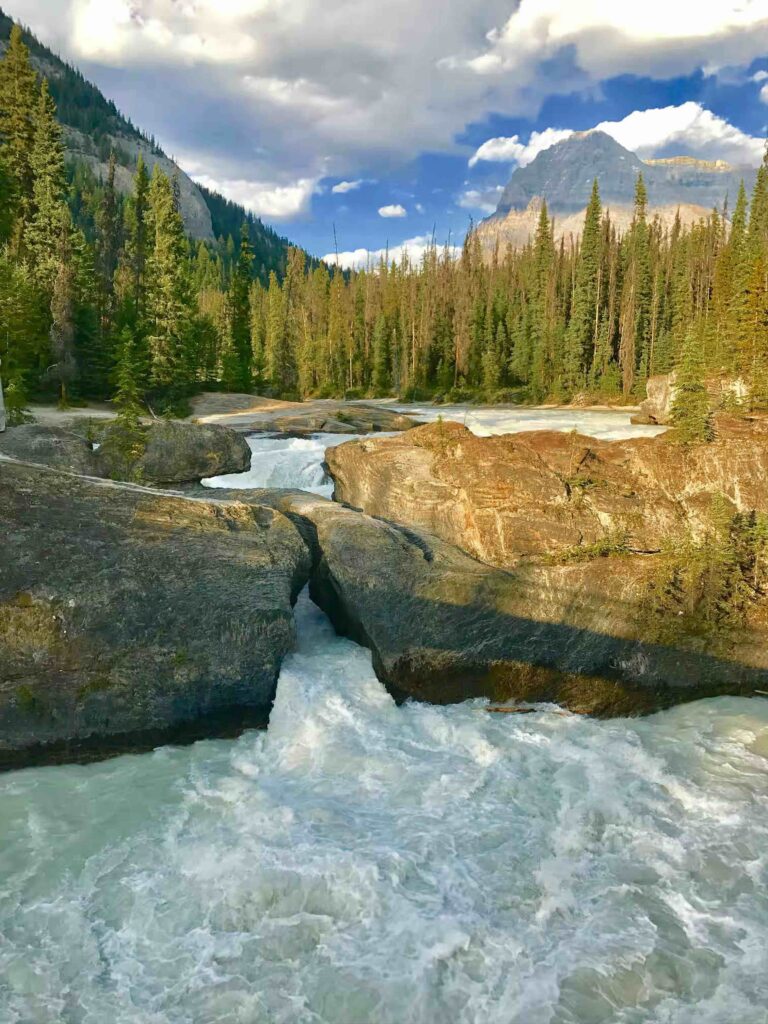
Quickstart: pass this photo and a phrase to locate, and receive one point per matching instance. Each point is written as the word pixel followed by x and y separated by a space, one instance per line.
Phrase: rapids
pixel 363 863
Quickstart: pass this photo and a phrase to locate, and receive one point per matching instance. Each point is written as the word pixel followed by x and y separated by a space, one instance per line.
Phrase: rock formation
pixel 172 452
pixel 253 413
pixel 161 452
pixel 519 496
pixel 444 627
pixel 130 617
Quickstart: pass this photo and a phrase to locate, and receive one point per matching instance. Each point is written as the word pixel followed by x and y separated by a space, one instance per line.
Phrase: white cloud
pixel 484 200
pixel 688 128
pixel 607 37
pixel 511 150
pixel 413 248
pixel 293 91
pixel 760 76
pixel 272 200
pixel 342 187
pixel 393 210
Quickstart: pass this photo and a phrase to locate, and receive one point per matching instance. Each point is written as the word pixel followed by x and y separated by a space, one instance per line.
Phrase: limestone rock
pixel 130 617
pixel 444 627
pixel 511 498
pixel 255 413
pixel 56 447
pixel 171 451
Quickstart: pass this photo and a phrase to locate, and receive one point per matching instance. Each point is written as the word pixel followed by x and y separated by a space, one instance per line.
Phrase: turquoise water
pixel 361 863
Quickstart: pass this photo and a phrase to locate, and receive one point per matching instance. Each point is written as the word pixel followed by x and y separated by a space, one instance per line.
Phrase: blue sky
pixel 391 121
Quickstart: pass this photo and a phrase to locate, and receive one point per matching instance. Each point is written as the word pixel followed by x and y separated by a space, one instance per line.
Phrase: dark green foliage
pixel 239 373
pixel 16 402
pixel 691 411
pixel 703 590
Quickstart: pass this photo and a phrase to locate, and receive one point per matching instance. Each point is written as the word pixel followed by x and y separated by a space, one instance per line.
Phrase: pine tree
pixel 64 369
pixel 240 371
pixel 580 335
pixel 6 203
pixel 276 340
pixel 542 362
pixel 43 229
pixel 382 374
pixel 636 293
pixel 170 328
pixel 18 102
pixel 128 379
pixel 691 412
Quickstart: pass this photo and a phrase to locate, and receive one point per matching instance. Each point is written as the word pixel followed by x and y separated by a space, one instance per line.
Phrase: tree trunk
pixel 2 408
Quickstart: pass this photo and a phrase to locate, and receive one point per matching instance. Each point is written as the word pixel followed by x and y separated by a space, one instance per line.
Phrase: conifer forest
pixel 103 295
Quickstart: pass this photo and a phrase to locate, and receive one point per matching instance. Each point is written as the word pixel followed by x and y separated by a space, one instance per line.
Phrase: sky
pixel 356 126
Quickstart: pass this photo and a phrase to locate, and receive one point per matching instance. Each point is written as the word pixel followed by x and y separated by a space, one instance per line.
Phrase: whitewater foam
pixel 361 863
pixel 607 424
pixel 286 462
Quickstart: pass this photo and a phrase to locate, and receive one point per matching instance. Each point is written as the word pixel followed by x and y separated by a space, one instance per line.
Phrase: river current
pixel 360 863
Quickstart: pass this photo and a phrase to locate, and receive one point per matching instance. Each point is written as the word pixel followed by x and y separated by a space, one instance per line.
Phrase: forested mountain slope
pixel 94 128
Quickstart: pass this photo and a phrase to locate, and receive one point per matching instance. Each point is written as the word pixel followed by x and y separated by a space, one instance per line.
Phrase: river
pixel 360 863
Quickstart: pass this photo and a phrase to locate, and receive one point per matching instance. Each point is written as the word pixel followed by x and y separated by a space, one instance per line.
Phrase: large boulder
pixel 657 405
pixel 724 393
pixel 255 413
pixel 130 617
pixel 515 497
pixel 57 447
pixel 171 452
pixel 444 627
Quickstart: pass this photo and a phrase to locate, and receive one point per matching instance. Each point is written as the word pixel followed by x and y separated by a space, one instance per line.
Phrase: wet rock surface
pixel 253 413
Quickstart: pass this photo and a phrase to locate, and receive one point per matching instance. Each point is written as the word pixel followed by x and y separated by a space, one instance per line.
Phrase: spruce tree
pixel 64 369
pixel 691 412
pixel 128 379
pixel 18 102
pixel 139 245
pixel 276 348
pixel 382 374
pixel 170 329
pixel 636 293
pixel 580 335
pixel 43 230
pixel 6 203
pixel 542 368
pixel 240 373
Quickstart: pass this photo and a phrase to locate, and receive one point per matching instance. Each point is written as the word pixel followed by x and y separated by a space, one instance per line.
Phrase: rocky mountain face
pixel 563 175
pixel 93 127
pixel 194 209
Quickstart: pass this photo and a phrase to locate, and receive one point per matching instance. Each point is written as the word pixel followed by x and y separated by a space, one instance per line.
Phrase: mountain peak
pixel 563 175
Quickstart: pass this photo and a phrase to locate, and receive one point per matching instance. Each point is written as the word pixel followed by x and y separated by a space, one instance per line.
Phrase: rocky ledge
pixel 444 627
pixel 521 496
pixel 612 577
pixel 252 413
pixel 130 617
pixel 158 453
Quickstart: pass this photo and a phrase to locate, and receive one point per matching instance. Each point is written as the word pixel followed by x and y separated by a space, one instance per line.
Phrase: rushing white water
pixel 286 462
pixel 608 424
pixel 361 863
